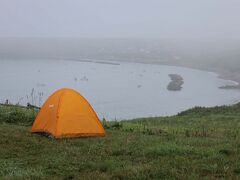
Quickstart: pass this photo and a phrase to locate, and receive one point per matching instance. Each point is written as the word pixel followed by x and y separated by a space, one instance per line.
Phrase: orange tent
pixel 68 114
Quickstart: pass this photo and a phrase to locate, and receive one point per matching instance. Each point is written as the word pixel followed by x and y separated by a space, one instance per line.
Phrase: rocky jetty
pixel 176 82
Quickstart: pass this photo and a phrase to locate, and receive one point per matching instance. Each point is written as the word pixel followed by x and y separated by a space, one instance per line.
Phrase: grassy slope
pixel 198 143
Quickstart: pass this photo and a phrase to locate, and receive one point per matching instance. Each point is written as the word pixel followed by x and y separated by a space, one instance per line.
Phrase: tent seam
pixel 58 111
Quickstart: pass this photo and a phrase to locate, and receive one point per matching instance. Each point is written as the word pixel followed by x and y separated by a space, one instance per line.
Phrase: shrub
pixel 117 125
pixel 17 115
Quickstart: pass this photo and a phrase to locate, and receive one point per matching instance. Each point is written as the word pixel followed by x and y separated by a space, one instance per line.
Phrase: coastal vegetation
pixel 197 143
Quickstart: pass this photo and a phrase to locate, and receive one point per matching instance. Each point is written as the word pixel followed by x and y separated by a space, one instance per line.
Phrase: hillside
pixel 197 143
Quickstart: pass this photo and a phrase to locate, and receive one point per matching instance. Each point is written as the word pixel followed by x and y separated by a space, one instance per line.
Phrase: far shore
pixel 222 74
pixel 213 55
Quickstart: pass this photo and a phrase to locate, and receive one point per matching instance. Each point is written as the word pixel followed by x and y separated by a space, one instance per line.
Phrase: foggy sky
pixel 120 18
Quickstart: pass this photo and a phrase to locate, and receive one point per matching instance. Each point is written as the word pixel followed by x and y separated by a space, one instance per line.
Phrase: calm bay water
pixel 118 90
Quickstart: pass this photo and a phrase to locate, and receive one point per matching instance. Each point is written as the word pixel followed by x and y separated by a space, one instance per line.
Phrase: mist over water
pixel 46 45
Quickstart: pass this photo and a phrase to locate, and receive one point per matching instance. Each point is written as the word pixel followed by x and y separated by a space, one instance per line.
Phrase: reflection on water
pixel 116 90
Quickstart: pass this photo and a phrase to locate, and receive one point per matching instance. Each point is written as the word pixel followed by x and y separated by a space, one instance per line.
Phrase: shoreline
pixel 225 75
pixel 221 74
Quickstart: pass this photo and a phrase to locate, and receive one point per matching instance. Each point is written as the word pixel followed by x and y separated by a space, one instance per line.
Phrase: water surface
pixel 115 90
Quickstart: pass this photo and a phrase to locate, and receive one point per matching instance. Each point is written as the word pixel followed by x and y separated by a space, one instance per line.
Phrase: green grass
pixel 198 143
